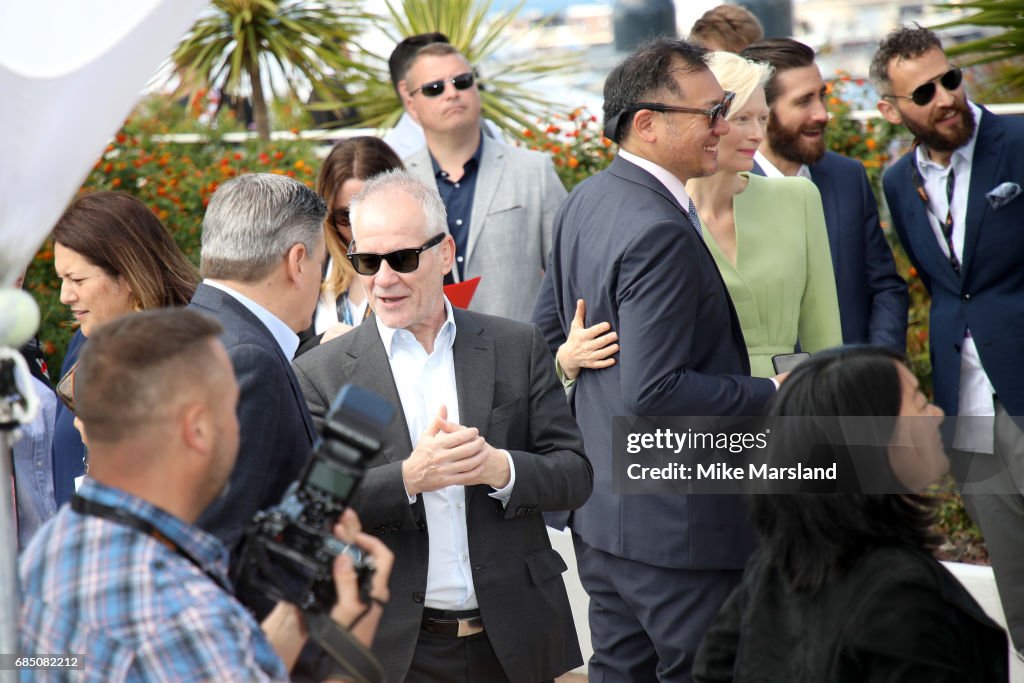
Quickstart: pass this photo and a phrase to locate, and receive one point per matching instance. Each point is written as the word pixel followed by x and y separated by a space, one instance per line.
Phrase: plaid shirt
pixel 133 608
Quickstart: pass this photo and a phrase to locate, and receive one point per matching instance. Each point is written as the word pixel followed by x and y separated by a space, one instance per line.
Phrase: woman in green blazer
pixel 767 235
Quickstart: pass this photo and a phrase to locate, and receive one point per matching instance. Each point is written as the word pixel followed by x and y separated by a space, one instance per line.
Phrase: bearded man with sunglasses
pixel 956 205
pixel 628 241
pixel 500 199
pixel 484 443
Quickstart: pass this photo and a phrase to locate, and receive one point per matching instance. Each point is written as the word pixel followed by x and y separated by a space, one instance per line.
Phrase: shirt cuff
pixel 775 382
pixel 566 382
pixel 503 494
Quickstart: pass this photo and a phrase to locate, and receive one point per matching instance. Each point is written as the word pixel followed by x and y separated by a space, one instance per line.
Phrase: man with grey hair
pixel 485 443
pixel 262 254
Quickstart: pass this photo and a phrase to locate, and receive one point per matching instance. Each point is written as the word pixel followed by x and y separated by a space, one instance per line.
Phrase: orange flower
pixel 912 271
pixel 527 133
pixel 116 182
pixel 871 144
pixel 573 162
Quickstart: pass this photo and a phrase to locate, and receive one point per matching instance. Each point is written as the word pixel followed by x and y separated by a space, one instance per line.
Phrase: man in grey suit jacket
pixel 484 444
pixel 657 567
pixel 500 199
pixel 262 253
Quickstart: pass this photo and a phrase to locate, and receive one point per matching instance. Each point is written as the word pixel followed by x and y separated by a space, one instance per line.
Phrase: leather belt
pixel 450 623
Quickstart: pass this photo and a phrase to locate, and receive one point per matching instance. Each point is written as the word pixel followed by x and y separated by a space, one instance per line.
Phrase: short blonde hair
pixel 738 75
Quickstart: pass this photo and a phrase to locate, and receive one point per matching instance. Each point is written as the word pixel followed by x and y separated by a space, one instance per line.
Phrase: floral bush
pixel 176 182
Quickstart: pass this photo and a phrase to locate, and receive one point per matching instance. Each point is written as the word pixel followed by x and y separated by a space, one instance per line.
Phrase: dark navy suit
pixel 873 299
pixel 987 298
pixel 623 244
pixel 276 431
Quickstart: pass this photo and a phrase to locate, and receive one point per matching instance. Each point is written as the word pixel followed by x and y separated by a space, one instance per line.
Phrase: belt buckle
pixel 470 627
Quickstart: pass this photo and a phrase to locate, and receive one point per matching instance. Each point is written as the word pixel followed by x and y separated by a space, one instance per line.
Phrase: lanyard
pixel 84 506
pixel 947 223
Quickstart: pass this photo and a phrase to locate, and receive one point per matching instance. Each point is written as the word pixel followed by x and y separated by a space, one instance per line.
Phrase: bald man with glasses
pixel 501 200
pixel 484 444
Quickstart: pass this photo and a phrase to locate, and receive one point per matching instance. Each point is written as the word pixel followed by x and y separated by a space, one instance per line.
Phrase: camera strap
pixel 345 655
pixel 84 506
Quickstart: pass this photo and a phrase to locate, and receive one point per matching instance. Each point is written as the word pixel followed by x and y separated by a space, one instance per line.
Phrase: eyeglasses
pixel 923 94
pixel 400 261
pixel 340 220
pixel 715 114
pixel 435 88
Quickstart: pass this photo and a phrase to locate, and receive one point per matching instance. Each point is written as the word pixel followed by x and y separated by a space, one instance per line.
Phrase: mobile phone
pixel 785 362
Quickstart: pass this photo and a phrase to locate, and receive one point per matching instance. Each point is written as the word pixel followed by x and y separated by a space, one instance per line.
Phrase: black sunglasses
pixel 400 261
pixel 435 88
pixel 923 94
pixel 715 114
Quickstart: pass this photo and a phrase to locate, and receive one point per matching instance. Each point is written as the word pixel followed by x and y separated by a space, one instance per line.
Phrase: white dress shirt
pixel 976 389
pixel 283 335
pixel 772 171
pixel 425 382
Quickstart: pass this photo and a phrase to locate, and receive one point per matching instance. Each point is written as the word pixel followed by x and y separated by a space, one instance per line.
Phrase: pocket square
pixel 1003 194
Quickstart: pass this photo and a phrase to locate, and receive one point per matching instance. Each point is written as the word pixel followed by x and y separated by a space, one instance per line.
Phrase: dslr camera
pixel 288 551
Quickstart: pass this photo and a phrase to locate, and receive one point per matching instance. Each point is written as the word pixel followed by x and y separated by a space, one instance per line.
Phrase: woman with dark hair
pixel 113 256
pixel 350 162
pixel 844 586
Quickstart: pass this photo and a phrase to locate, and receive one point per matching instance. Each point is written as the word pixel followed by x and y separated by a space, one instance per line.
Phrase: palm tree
pixel 240 43
pixel 506 101
pixel 1008 44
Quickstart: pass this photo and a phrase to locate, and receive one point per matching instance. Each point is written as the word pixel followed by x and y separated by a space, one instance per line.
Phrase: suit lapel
pixel 822 179
pixel 984 167
pixel 366 365
pixel 475 367
pixel 488 179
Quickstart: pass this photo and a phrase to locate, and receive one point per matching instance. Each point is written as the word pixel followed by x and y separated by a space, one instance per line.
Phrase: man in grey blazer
pixel 500 199
pixel 484 443
pixel 262 254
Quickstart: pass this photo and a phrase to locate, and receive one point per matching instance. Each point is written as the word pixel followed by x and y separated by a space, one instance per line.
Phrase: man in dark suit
pixel 262 253
pixel 956 205
pixel 485 444
pixel 657 567
pixel 873 299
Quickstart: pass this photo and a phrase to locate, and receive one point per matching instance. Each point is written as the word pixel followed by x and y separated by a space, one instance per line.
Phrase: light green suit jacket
pixel 782 285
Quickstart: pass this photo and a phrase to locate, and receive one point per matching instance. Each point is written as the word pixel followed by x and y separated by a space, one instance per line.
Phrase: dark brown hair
pixel 783 54
pixel 727 27
pixel 355 158
pixel 133 367
pixel 906 42
pixel 119 234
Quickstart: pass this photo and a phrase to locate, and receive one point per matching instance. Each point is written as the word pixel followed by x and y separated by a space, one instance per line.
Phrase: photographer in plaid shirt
pixel 121 577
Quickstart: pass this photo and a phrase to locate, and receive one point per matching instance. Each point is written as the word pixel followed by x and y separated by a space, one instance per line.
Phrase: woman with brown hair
pixel 350 162
pixel 113 256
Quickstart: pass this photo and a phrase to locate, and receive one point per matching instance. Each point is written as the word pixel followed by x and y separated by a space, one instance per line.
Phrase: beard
pixel 949 141
pixel 790 144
